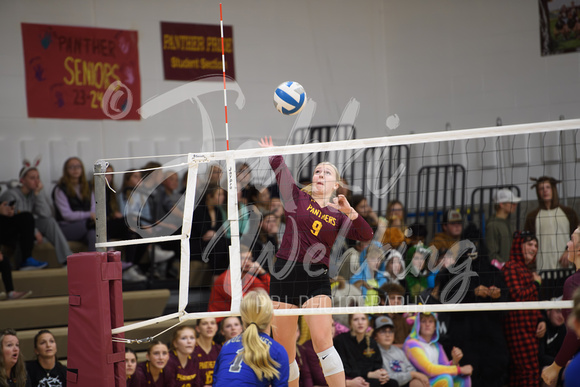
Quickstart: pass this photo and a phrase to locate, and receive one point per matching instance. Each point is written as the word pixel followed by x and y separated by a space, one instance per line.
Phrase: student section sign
pixel 69 71
pixel 192 51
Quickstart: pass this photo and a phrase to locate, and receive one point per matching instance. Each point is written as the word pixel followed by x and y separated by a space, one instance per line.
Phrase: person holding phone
pixel 17 231
pixel 29 198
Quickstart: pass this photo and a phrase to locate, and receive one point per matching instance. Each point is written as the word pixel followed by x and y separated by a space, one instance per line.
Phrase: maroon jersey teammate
pixel 152 369
pixel 206 351
pixel 299 278
pixel 182 368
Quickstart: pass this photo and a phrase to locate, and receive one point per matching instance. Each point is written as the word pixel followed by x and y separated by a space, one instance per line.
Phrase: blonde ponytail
pixel 257 311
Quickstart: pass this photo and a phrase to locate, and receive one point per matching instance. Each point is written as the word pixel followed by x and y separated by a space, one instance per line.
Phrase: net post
pixel 235 259
pixel 186 231
pixel 99 168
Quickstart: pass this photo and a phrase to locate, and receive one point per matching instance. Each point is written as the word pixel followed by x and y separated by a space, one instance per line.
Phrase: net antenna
pixel 224 76
pixel 230 157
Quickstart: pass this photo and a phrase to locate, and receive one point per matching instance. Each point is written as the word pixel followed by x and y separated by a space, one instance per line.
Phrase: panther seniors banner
pixel 81 72
pixel 191 51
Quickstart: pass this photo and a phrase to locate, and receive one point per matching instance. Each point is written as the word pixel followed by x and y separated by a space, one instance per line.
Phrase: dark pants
pixel 6 271
pixel 18 231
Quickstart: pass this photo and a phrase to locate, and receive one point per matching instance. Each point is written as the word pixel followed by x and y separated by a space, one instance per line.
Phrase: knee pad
pixel 294 371
pixel 330 361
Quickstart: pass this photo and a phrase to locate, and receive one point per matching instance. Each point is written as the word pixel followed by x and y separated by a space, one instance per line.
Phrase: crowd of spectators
pixel 403 264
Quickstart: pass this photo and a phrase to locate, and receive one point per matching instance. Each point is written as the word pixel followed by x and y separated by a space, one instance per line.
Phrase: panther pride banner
pixel 69 71
pixel 192 51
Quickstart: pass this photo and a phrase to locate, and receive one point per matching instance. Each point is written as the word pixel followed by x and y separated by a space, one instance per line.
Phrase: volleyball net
pixel 429 174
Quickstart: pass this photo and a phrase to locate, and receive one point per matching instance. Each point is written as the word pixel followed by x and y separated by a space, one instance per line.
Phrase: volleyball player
pixel 314 219
pixel 152 369
pixel 253 358
pixel 182 368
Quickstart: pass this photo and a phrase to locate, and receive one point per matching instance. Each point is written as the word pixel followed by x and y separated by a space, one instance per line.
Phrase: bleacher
pixel 47 308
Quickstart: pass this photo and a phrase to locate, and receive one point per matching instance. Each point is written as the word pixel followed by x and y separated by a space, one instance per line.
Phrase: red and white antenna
pixel 224 74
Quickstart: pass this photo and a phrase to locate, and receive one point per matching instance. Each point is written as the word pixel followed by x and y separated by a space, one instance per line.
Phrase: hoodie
pixel 428 357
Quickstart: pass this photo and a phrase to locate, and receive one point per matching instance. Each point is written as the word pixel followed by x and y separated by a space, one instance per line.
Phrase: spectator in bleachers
pixel 208 240
pixel 116 227
pixel 394 234
pixel 17 231
pixel 12 368
pixel 134 378
pixel 418 234
pixel 395 268
pixel 182 367
pixel 350 260
pixel 396 209
pixel 230 327
pixel 360 353
pixel 552 223
pixel 46 370
pixel 485 348
pixel 153 191
pixel 452 227
pixel 551 343
pixel 424 351
pixel 419 278
pixel 266 245
pixel 260 199
pixel 253 277
pixel 206 350
pixel 169 196
pixel 395 295
pixel 74 204
pixel 370 278
pixel 523 328
pixel 6 272
pixel 471 279
pixel 244 180
pixel 153 369
pixel 215 174
pixel 361 205
pixel 571 344
pixel 394 359
pixel 499 230
pixel 29 197
pixel 277 208
pixel 137 212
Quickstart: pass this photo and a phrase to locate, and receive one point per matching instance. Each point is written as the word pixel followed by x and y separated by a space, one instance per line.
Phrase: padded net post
pixel 95 307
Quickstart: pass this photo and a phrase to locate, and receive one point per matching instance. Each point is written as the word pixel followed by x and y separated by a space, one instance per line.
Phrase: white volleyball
pixel 289 98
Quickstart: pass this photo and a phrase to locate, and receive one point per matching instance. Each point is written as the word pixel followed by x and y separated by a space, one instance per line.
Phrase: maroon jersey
pixel 206 362
pixel 187 376
pixel 310 229
pixel 162 381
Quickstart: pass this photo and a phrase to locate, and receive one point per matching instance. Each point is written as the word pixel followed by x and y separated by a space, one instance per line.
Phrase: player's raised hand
pixel 341 203
pixel 266 142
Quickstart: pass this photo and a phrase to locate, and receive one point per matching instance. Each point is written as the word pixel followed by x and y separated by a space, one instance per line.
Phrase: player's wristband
pixel 458 370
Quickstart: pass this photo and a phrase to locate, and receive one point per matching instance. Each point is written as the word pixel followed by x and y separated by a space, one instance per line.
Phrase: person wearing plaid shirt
pixel 523 327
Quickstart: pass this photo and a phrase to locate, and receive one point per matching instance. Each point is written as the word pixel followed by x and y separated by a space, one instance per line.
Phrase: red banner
pixel 191 51
pixel 69 71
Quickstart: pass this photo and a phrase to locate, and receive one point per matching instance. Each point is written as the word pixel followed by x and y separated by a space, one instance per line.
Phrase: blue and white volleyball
pixel 289 98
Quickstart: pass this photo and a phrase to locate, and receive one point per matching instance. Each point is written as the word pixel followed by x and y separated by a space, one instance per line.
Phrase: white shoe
pixel 161 255
pixel 3 296
pixel 133 275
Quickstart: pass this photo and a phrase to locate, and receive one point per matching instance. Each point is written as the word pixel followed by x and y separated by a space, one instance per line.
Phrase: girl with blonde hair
pixel 253 358
pixel 182 368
